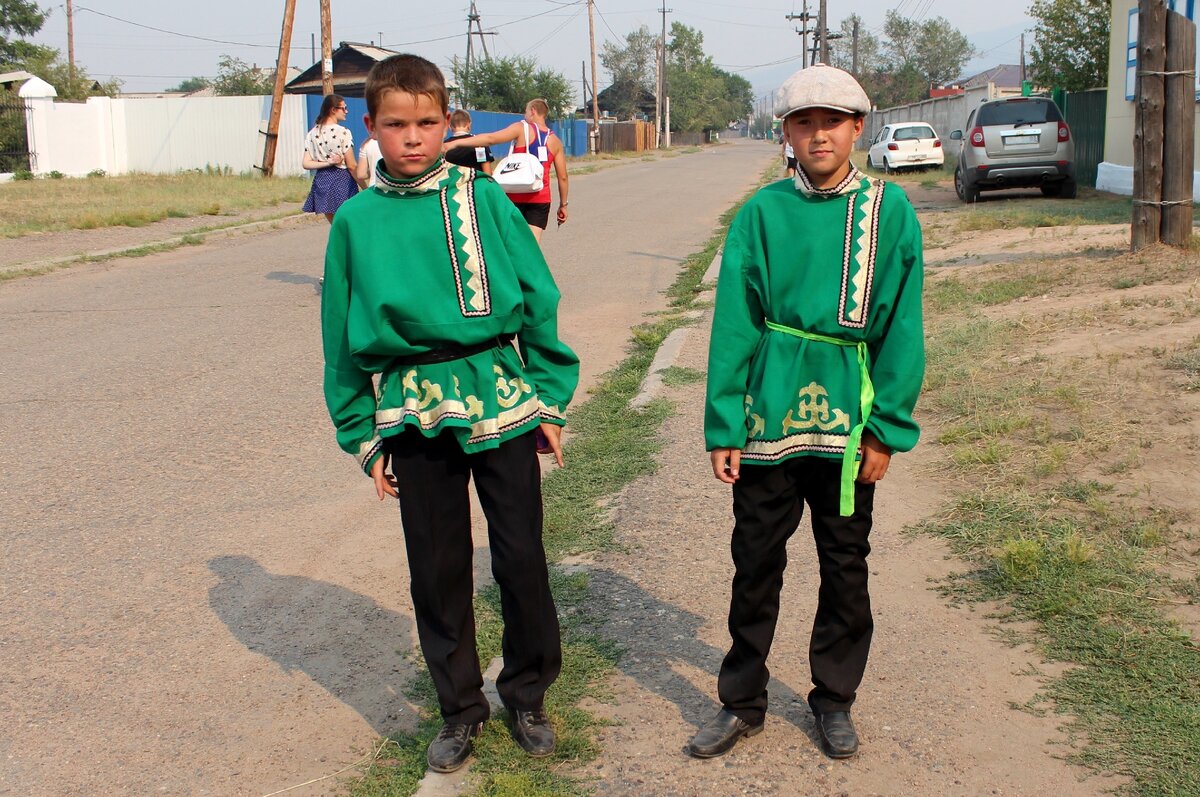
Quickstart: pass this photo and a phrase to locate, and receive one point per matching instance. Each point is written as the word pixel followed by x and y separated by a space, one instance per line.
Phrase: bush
pixel 55 175
pixel 97 173
pixel 22 174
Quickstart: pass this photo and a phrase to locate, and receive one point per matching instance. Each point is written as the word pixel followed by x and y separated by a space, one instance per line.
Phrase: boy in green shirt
pixel 815 363
pixel 429 276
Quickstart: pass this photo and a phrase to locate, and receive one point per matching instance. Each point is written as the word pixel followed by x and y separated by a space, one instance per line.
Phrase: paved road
pixel 200 596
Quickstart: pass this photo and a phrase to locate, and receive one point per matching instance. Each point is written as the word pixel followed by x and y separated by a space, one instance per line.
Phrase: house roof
pixel 351 62
pixel 1005 76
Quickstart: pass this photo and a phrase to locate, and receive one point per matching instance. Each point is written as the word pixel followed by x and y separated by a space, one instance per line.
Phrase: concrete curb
pixel 223 232
pixel 435 784
pixel 669 351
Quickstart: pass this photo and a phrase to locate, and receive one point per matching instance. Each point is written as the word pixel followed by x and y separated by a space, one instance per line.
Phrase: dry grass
pixel 134 200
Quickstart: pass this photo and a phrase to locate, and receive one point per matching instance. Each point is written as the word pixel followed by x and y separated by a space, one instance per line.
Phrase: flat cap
pixel 821 86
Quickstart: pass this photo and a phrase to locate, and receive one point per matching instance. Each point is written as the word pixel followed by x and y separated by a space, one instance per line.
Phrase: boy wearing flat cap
pixel 815 362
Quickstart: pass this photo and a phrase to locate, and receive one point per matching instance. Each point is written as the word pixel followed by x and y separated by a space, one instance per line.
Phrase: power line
pixel 171 32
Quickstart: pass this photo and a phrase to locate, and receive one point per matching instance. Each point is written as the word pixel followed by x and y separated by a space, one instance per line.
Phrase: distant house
pixel 351 63
pixel 645 103
pixel 1116 171
pixel 26 84
pixel 1004 78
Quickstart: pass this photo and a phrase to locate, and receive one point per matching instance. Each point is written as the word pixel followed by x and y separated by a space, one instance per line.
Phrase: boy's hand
pixel 553 433
pixel 875 459
pixel 562 215
pixel 385 483
pixel 725 463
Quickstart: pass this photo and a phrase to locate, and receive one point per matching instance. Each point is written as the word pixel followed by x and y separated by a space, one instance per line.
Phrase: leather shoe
pixel 720 735
pixel 838 737
pixel 532 731
pixel 451 748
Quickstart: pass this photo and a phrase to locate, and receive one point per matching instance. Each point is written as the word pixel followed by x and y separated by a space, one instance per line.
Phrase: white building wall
pixel 163 135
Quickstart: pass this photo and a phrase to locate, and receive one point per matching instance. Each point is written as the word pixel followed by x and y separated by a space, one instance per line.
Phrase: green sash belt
pixel 866 402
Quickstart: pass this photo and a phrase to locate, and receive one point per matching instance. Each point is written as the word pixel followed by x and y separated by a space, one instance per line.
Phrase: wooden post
pixel 1148 124
pixel 1179 122
pixel 281 66
pixel 326 49
pixel 71 43
pixel 595 101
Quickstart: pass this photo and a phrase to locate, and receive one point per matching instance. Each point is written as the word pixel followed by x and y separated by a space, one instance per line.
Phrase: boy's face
pixel 410 129
pixel 822 139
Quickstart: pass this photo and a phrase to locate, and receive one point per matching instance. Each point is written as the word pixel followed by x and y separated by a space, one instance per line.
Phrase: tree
pixel 703 96
pixel 23 18
pixel 632 68
pixel 1070 43
pixel 48 64
pixel 870 51
pixel 197 83
pixel 236 78
pixel 915 55
pixel 508 84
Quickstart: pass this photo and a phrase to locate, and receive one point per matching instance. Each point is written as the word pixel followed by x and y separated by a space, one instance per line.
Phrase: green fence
pixel 1086 112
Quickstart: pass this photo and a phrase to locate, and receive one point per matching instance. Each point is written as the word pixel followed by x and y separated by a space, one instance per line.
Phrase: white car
pixel 906 145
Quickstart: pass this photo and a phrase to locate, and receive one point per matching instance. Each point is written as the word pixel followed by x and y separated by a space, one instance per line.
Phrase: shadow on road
pixel 657 637
pixel 346 642
pixel 292 278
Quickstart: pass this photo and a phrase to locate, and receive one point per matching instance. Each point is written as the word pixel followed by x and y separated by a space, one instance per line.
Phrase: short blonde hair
pixel 539 106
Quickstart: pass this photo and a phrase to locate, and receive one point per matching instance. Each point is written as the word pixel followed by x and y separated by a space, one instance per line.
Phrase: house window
pixel 1185 7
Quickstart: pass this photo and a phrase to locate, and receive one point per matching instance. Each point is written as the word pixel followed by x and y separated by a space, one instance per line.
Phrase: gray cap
pixel 821 86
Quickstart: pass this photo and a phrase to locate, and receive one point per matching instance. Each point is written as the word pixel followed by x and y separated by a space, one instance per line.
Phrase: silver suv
pixel 1015 142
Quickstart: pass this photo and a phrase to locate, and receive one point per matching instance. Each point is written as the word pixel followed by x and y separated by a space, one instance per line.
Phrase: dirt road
pixel 200 596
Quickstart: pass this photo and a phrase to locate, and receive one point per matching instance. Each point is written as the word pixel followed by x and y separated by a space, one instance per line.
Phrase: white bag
pixel 520 172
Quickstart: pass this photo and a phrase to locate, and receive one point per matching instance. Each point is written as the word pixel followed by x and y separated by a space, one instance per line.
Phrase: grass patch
pixel 135 200
pixel 1075 557
pixel 678 375
pixel 609 446
pixel 1023 212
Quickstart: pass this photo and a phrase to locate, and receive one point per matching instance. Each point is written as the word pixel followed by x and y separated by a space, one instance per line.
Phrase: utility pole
pixel 281 65
pixel 659 113
pixel 474 28
pixel 595 102
pixel 326 49
pixel 1149 99
pixel 804 18
pixel 71 41
pixel 1022 60
pixel 854 51
pixel 823 32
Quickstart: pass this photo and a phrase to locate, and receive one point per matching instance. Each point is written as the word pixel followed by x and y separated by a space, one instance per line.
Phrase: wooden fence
pixel 633 136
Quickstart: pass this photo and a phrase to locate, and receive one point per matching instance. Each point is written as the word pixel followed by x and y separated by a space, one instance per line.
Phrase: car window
pixel 1030 112
pixel 914 133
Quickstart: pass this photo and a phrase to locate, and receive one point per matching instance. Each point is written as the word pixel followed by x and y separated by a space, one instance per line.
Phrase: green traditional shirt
pixel 817 289
pixel 416 265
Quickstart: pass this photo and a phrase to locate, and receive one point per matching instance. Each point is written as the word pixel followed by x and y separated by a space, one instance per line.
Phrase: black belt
pixel 445 354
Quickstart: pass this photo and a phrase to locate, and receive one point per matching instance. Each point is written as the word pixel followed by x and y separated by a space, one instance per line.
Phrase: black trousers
pixel 768 503
pixel 432 475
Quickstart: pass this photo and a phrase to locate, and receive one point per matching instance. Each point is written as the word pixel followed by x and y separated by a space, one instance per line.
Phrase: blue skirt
pixel 330 188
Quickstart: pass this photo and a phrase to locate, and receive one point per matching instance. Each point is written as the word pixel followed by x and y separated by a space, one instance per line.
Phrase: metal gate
pixel 14 141
pixel 1086 112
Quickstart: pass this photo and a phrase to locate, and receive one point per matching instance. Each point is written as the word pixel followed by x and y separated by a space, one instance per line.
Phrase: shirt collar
pixel 429 180
pixel 850 183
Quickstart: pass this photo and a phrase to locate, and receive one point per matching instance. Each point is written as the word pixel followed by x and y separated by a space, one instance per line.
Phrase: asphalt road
pixel 200 594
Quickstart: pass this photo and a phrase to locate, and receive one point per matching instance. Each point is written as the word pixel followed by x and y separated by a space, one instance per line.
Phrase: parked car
pixel 905 145
pixel 1015 142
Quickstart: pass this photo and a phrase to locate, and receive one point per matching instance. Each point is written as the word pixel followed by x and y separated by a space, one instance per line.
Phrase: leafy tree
pixel 915 55
pixel 870 51
pixel 1070 43
pixel 236 78
pixel 195 84
pixel 48 64
pixel 632 68
pixel 703 96
pixel 508 84
pixel 23 18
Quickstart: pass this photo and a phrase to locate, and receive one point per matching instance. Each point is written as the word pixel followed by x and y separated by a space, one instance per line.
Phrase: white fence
pixel 162 135
pixel 944 113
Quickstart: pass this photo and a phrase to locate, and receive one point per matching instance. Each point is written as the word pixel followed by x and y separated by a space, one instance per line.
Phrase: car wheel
pixel 1069 189
pixel 870 165
pixel 1051 189
pixel 887 167
pixel 967 193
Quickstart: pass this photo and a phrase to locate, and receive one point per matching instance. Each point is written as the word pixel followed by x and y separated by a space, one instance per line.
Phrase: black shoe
pixel 533 732
pixel 451 748
pixel 720 735
pixel 838 737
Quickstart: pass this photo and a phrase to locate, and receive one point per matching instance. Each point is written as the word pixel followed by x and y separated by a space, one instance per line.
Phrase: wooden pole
pixel 1148 124
pixel 823 32
pixel 71 42
pixel 326 48
pixel 281 65
pixel 595 101
pixel 1179 122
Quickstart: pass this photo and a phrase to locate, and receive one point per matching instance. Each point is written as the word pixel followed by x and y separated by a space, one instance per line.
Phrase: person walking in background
pixel 815 365
pixel 531 135
pixel 368 159
pixel 329 152
pixel 474 157
pixel 432 305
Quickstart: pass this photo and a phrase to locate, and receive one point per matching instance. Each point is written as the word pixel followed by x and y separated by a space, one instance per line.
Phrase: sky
pixel 140 41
